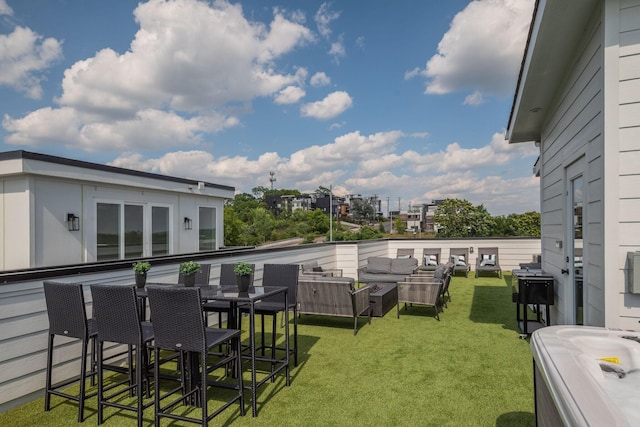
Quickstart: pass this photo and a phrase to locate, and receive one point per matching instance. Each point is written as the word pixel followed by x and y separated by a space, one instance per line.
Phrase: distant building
pixel 56 211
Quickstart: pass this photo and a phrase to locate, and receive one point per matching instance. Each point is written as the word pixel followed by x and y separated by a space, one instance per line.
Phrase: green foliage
pixel 362 210
pixel 189 267
pixel 233 227
pixel 459 218
pixel 141 267
pixel 400 225
pixel 243 269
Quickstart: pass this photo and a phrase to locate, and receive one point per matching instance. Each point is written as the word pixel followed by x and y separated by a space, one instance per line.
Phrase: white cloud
pixel 44 126
pixel 476 98
pixel 319 79
pixel 412 73
pixel 482 49
pixel 366 164
pixel 23 55
pixel 289 95
pixel 222 61
pixel 5 9
pixel 323 19
pixel 333 105
pixel 337 49
pixel 360 42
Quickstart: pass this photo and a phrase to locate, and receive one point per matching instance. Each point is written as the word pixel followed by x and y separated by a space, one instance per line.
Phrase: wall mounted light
pixel 73 222
pixel 471 249
pixel 188 223
pixel 559 244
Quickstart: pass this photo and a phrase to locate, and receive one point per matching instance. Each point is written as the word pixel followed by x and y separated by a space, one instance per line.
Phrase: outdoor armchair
pixel 405 253
pixel 313 268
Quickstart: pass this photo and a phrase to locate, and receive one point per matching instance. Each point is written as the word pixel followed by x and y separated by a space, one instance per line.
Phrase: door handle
pixel 565 271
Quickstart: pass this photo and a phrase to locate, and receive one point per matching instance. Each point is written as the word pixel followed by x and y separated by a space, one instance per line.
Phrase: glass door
pixel 576 249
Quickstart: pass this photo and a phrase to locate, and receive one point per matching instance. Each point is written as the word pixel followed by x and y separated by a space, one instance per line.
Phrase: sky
pixel 405 100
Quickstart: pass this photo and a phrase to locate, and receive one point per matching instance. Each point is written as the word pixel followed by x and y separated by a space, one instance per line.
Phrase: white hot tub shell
pixel 586 376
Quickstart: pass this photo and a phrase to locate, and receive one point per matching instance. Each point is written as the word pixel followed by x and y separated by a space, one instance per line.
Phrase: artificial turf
pixel 468 369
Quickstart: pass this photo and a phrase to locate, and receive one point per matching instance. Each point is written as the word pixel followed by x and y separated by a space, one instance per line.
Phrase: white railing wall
pixel 24 322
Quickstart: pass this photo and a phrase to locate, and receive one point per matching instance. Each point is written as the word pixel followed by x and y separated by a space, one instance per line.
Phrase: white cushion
pixel 403 257
pixel 458 260
pixel 488 260
pixel 430 260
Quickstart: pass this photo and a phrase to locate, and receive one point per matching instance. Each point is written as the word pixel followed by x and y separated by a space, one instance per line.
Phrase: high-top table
pixel 249 298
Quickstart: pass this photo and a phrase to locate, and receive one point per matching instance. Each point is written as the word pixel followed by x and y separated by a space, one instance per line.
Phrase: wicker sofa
pixel 333 296
pixel 386 270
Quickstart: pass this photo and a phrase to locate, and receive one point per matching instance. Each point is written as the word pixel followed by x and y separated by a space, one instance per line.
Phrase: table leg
pixel 286 334
pixel 252 350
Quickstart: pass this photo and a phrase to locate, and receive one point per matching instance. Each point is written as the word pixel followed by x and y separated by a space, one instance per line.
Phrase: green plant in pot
pixel 140 269
pixel 189 269
pixel 243 271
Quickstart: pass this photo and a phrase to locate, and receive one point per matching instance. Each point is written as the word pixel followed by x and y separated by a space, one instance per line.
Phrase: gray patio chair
pixel 68 318
pixel 188 335
pixel 430 259
pixel 405 253
pixel 227 278
pixel 460 259
pixel 314 269
pixel 488 261
pixel 116 311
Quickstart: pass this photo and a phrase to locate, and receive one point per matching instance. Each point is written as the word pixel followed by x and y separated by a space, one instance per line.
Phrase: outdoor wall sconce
pixel 559 244
pixel 73 222
pixel 471 249
pixel 188 223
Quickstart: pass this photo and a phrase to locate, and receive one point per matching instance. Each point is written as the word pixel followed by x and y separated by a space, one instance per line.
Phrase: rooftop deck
pixel 468 368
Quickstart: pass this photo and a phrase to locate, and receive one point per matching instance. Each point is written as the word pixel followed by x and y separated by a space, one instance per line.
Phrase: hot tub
pixel 586 376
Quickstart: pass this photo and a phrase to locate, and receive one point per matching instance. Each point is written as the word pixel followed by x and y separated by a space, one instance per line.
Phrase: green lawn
pixel 468 369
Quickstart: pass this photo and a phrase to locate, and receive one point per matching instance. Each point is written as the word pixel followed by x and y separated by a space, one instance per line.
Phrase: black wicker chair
pixel 118 321
pixel 186 333
pixel 227 278
pixel 68 317
pixel 284 275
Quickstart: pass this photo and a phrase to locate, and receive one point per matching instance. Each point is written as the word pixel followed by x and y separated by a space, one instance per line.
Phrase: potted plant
pixel 140 269
pixel 189 270
pixel 243 271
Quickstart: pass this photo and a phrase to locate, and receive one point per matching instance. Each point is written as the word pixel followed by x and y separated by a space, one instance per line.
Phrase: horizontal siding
pixel 574 130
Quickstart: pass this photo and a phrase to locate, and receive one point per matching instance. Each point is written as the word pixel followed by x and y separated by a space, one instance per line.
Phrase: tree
pixel 401 226
pixel 526 224
pixel 454 217
pixel 233 227
pixel 244 204
pixel 362 210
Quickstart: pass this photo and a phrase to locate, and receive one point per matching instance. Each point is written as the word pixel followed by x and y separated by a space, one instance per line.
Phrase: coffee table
pixel 382 298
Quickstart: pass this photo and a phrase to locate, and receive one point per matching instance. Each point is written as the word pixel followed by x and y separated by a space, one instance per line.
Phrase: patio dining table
pixel 246 299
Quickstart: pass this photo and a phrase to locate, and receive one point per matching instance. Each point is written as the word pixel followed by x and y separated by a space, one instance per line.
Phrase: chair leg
pixel 83 381
pixel 100 383
pixel 295 336
pixel 47 394
pixel 156 386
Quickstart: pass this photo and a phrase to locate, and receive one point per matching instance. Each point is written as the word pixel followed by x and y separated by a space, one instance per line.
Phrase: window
pixel 131 231
pixel 159 230
pixel 207 229
pixel 108 239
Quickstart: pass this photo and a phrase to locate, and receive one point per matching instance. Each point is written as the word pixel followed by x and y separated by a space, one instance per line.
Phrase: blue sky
pixel 407 100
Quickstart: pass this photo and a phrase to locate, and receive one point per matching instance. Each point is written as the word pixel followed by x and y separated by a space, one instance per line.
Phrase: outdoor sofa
pixel 333 296
pixel 386 270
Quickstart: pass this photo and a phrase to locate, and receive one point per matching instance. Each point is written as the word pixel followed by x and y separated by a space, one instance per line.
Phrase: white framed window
pixel 206 228
pixel 132 230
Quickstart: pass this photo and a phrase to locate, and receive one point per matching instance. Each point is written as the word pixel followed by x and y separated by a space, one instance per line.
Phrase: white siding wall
pixel 572 133
pixel 16 230
pixel 626 129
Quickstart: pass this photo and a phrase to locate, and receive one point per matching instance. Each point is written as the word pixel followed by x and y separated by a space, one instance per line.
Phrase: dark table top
pixel 224 293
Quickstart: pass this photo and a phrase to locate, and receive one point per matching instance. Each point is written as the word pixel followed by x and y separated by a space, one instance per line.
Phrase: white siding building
pixel 578 99
pixel 56 211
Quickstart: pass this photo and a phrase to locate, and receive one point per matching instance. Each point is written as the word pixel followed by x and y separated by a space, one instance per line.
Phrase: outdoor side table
pixel 537 288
